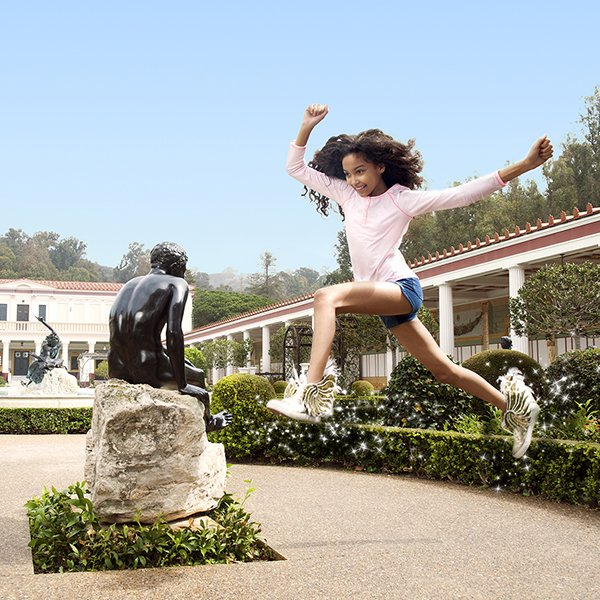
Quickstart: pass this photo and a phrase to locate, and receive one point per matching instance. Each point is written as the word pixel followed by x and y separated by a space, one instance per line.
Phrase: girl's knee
pixel 324 296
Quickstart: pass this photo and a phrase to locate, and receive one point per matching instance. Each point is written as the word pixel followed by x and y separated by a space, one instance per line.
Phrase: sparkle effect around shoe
pixel 521 410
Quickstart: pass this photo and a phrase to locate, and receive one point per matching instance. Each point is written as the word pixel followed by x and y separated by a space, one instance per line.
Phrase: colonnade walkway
pixel 344 535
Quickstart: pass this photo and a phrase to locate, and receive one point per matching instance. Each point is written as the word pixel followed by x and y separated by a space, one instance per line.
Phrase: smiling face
pixel 363 175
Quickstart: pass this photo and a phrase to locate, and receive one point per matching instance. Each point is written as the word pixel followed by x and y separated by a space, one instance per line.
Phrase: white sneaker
pixel 521 410
pixel 309 402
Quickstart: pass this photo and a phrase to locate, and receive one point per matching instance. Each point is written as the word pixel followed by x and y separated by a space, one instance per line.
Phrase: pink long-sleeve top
pixel 375 225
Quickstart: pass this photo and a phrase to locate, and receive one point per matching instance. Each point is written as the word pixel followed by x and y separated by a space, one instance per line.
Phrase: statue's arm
pixel 175 344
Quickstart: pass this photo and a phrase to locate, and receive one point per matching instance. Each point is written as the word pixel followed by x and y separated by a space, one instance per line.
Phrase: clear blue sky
pixel 128 121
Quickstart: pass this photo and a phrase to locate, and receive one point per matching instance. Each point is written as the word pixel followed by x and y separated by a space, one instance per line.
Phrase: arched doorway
pixel 297 341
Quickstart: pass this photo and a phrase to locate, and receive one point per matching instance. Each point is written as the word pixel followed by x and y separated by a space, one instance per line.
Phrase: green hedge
pixel 45 420
pixel 561 470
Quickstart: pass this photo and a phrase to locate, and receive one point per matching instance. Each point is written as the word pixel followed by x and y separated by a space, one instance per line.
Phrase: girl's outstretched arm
pixel 313 115
pixel 538 154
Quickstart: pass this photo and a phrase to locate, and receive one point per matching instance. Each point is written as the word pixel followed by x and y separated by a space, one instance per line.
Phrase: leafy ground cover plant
pixel 66 535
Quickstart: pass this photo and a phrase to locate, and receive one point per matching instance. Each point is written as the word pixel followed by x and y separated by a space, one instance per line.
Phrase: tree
pixel 299 282
pixel 135 262
pixel 7 259
pixel 217 353
pixel 558 300
pixel 591 121
pixel 34 260
pixel 240 352
pixel 195 356
pixel 570 178
pixel 66 253
pixel 222 353
pixel 342 255
pixel 202 280
pixel 209 306
pixel 265 283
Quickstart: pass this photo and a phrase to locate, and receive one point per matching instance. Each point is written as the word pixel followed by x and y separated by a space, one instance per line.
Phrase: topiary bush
pixel 491 364
pixel 2 381
pixel 414 398
pixel 362 388
pixel 245 397
pixel 279 386
pixel 573 380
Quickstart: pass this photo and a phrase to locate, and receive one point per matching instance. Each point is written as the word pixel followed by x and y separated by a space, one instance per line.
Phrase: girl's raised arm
pixel 313 115
pixel 538 154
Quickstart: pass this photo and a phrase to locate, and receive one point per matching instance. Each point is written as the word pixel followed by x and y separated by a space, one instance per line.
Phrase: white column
pixel 5 355
pixel 247 336
pixel 389 362
pixel 446 319
pixel 38 346
pixel 516 279
pixel 65 354
pixel 266 346
pixel 89 365
pixel 229 369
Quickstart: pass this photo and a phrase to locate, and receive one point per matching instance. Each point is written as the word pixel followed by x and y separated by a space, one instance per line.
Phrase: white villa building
pixel 467 287
pixel 78 312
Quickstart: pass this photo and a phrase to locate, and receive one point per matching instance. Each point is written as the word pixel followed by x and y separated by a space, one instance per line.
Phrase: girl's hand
pixel 539 153
pixel 314 114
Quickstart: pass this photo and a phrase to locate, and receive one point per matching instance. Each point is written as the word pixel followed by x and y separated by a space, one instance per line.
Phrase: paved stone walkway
pixel 344 535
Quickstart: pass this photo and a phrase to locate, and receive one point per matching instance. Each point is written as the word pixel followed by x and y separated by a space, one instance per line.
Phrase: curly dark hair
pixel 402 163
pixel 169 256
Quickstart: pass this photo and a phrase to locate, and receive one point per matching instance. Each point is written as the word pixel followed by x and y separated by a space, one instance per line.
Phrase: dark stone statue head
pixel 170 257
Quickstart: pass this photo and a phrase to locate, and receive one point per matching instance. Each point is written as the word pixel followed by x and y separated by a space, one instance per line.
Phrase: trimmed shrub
pixel 45 420
pixel 414 398
pixel 491 364
pixel 245 397
pixel 2 381
pixel 279 386
pixel 574 380
pixel 362 388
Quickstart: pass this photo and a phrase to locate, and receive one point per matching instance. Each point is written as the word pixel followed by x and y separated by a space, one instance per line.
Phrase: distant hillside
pixel 229 277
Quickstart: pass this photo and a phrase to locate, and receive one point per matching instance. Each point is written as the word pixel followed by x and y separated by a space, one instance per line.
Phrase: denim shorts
pixel 411 288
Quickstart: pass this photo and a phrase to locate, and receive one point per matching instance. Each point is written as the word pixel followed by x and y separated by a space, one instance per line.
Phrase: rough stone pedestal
pixel 148 455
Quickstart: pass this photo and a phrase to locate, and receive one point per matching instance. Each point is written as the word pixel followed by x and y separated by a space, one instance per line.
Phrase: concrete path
pixel 344 535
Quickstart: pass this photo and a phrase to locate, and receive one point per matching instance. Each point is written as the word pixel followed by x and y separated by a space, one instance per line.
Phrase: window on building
pixel 74 363
pixel 22 312
pixel 42 311
pixel 3 312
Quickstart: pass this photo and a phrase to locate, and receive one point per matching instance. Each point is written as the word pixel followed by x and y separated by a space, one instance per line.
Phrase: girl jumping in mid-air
pixel 373 179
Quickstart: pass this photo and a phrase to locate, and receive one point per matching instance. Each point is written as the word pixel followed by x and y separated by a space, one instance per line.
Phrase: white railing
pixel 20 327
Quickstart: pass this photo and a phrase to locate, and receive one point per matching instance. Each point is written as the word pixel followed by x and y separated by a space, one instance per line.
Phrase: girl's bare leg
pixel 365 297
pixel 386 298
pixel 417 340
